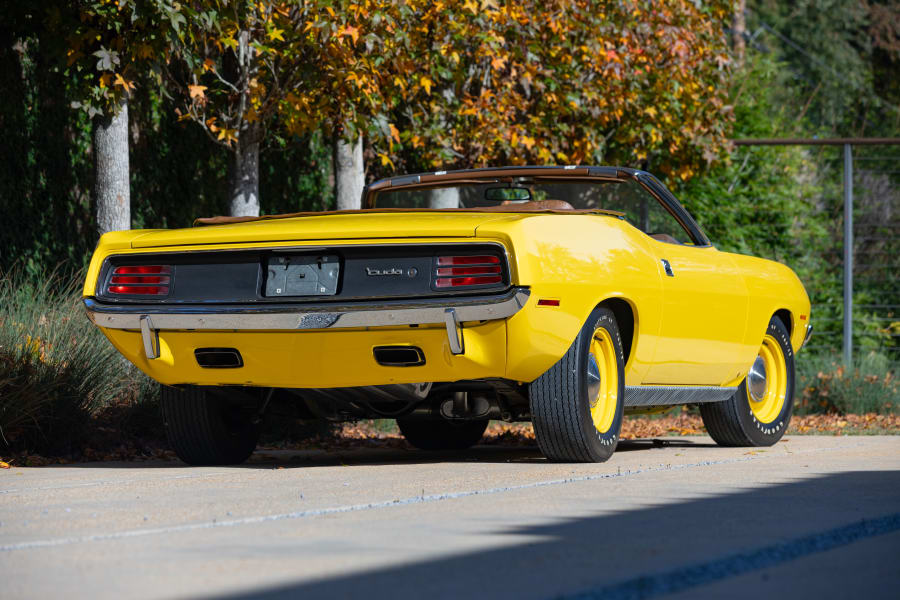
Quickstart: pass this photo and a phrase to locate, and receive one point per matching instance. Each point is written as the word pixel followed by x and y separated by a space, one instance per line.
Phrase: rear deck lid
pixel 349 226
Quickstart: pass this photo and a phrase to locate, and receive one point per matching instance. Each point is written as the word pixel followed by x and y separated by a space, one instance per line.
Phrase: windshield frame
pixel 439 179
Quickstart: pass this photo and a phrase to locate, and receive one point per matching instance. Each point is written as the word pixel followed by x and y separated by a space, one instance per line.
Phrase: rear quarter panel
pixel 580 260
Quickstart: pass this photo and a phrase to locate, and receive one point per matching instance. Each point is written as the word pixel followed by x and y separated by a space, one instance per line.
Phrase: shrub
pixel 824 385
pixel 56 369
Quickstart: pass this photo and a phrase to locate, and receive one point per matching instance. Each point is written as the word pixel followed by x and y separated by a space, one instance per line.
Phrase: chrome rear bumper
pixel 450 312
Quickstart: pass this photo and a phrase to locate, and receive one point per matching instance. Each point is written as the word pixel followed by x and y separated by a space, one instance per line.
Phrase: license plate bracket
pixel 289 275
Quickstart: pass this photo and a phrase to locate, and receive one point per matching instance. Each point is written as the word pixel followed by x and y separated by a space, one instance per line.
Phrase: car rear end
pixel 299 311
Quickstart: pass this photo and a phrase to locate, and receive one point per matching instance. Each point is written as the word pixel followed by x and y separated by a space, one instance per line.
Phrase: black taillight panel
pixel 362 272
pixel 192 277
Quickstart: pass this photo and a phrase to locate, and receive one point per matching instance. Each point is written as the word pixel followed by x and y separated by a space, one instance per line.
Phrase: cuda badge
pixel 383 272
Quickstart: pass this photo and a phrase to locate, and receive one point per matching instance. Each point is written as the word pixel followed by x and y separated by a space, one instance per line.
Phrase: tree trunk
pixel 738 27
pixel 243 174
pixel 349 173
pixel 444 198
pixel 111 175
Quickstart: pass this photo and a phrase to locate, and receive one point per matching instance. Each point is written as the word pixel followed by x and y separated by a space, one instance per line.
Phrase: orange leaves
pixel 457 83
pixel 197 93
pixel 123 83
pixel 351 32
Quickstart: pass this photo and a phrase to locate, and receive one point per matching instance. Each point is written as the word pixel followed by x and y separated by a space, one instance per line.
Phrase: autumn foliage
pixel 429 84
pixel 461 84
pixel 561 81
pixel 107 47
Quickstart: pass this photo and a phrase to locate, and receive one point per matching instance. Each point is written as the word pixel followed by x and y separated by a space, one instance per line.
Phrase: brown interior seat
pixel 664 237
pixel 531 205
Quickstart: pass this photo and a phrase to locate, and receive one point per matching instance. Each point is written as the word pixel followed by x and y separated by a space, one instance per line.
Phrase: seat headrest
pixel 531 205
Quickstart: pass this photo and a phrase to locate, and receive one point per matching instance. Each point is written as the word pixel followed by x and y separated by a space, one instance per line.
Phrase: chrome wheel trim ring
pixel 593 380
pixel 756 379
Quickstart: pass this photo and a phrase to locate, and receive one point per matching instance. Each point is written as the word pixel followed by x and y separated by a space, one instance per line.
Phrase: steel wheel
pixel 602 380
pixel 759 412
pixel 767 382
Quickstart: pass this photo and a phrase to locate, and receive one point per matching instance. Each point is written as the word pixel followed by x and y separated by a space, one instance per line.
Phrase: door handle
pixel 667 267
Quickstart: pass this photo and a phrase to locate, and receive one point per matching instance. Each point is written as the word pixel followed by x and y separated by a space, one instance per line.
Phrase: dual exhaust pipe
pixel 386 356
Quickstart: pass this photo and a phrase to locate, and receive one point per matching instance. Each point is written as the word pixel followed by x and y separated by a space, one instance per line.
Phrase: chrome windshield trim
pixel 301 317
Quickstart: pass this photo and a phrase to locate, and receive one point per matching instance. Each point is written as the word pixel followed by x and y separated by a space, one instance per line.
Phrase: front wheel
pixel 759 412
pixel 204 429
pixel 577 405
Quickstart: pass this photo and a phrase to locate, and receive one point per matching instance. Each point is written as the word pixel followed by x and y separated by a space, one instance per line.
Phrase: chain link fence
pixel 855 311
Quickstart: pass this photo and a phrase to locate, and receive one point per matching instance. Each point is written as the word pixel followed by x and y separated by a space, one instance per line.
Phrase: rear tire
pixel 442 434
pixel 208 430
pixel 577 405
pixel 742 420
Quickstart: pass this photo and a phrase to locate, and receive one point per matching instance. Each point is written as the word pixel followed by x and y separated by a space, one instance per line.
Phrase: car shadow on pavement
pixel 821 536
pixel 494 453
pixel 364 454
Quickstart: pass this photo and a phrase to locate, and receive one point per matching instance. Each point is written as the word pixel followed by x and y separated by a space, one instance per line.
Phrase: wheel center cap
pixel 593 380
pixel 756 379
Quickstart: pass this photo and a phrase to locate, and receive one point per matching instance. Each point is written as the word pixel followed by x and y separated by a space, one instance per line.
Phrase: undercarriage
pixel 497 399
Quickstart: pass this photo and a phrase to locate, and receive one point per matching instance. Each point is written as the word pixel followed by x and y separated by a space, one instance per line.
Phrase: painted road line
pixel 682 578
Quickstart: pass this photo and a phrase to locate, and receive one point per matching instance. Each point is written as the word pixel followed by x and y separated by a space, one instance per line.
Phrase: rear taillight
pixel 467 271
pixel 140 280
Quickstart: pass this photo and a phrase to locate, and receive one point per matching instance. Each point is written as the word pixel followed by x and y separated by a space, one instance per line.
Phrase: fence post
pixel 848 256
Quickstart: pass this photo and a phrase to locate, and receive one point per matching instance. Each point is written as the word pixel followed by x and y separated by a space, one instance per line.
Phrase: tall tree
pixel 243 67
pixel 560 81
pixel 349 172
pixel 739 30
pixel 345 96
pixel 220 52
pixel 112 190
pixel 108 47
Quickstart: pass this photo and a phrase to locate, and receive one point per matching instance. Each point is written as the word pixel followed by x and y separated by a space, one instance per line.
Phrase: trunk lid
pixel 346 226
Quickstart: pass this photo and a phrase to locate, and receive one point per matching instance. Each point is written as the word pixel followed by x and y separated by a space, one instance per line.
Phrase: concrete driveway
pixel 813 517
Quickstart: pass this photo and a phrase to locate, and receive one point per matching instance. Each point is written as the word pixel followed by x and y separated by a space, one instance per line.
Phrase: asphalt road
pixel 813 517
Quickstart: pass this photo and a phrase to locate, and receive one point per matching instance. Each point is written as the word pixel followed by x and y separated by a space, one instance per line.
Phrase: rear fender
pixel 578 261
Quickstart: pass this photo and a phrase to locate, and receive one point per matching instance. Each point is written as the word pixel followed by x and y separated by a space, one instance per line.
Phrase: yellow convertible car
pixel 564 296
